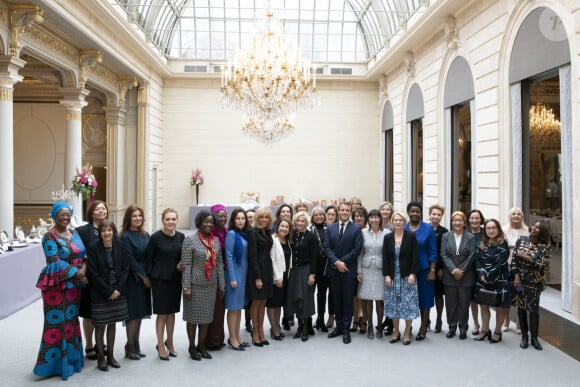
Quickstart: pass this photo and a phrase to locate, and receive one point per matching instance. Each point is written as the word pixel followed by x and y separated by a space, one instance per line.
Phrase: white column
pixel 9 67
pixel 116 171
pixel 74 101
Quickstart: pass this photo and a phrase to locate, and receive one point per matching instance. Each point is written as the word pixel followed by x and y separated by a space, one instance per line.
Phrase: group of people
pixel 272 264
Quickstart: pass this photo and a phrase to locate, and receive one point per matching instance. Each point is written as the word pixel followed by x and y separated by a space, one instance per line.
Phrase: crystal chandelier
pixel 269 83
pixel 544 127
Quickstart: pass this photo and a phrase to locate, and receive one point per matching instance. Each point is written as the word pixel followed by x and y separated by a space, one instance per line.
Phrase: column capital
pixel 74 98
pixel 9 68
pixel 115 115
pixel 143 92
pixel 22 17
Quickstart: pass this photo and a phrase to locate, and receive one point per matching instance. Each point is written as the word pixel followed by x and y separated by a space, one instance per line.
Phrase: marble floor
pixel 436 361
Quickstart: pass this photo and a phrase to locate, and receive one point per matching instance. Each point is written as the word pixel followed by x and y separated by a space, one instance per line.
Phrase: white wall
pixel 333 152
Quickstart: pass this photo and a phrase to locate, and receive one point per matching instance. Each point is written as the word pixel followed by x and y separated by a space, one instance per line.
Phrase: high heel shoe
pixel 356 325
pixel 130 352
pixel 492 340
pixel 113 362
pixel 203 352
pixel 363 328
pixel 193 354
pixel 166 358
pixel 172 354
pixel 238 348
pixel 396 339
pixel 285 324
pixel 257 343
pixel 275 337
pixel 486 335
pixel 265 342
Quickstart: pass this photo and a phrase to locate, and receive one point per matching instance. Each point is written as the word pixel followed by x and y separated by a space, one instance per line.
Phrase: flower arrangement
pixel 196 180
pixel 197 177
pixel 84 183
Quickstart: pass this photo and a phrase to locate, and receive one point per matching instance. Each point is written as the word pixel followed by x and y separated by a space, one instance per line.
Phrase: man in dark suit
pixel 342 245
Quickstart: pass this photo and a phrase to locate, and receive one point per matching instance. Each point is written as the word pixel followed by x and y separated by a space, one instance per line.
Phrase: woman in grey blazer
pixel 458 254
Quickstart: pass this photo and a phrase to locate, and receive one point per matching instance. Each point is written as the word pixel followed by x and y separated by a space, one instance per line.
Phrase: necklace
pixel 299 237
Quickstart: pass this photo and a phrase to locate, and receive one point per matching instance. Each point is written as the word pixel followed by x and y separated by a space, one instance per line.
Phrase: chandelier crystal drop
pixel 269 83
pixel 544 127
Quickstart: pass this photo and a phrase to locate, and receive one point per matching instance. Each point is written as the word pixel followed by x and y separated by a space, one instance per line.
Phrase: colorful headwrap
pixel 217 208
pixel 56 207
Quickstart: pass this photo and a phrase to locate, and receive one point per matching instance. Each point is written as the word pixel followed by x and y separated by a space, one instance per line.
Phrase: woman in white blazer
pixel 281 254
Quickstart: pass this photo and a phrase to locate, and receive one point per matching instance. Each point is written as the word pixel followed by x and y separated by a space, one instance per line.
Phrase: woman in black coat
pixel 108 269
pixel 260 284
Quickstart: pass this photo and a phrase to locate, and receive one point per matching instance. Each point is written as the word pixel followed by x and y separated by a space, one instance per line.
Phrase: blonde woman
pixel 260 272
pixel 514 229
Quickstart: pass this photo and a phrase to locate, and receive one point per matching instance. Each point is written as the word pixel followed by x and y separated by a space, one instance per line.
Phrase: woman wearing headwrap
pixel 215 333
pixel 61 349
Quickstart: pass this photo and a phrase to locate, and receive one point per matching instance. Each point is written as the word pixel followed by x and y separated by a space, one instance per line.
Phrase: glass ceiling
pixel 337 31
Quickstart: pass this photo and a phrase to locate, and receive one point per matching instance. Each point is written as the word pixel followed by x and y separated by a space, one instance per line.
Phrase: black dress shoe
pixel 524 343
pixel 203 352
pixel 113 362
pixel 451 334
pixel 462 334
pixel 172 354
pixel 536 343
pixel 194 355
pixel 335 333
pixel 257 343
pixel 346 337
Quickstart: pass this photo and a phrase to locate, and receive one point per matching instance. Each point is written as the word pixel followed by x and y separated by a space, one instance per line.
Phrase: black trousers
pixel 342 290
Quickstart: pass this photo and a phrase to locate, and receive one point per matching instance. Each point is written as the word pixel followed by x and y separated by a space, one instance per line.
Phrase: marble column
pixel 74 101
pixel 116 166
pixel 142 143
pixel 9 67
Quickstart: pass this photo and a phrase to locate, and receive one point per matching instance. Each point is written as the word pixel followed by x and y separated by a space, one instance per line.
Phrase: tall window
pixel 542 150
pixel 461 158
pixel 389 190
pixel 417 160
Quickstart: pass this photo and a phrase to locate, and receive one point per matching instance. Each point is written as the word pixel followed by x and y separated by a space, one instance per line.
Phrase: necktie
pixel 341 231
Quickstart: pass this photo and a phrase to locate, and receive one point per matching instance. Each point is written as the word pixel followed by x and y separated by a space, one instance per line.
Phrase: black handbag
pixel 486 297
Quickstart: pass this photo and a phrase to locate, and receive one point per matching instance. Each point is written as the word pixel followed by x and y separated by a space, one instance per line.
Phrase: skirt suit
pixel 260 264
pixel 370 265
pixel 108 269
pixel 163 255
pixel 236 270
pixel 199 308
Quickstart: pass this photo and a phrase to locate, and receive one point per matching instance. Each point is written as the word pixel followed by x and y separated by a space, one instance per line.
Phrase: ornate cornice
pixel 87 60
pixel 451 33
pixel 104 74
pixel 126 82
pixel 54 44
pixel 410 64
pixel 22 17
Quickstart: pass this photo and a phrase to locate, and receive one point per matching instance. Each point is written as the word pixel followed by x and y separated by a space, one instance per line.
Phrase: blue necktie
pixel 341 231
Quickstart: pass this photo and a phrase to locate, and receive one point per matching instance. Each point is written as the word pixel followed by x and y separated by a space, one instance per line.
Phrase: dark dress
pixel 322 283
pixel 532 274
pixel 108 269
pixel 89 235
pixel 138 296
pixel 491 262
pixel 260 265
pixel 300 295
pixel 163 255
pixel 61 347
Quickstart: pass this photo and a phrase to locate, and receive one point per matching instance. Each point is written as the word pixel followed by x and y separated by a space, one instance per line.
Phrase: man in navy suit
pixel 342 245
